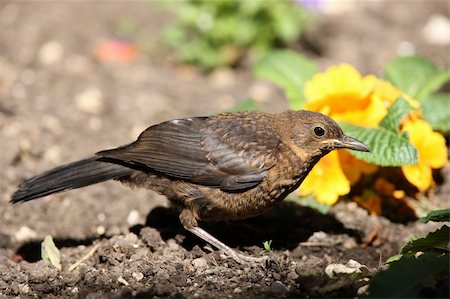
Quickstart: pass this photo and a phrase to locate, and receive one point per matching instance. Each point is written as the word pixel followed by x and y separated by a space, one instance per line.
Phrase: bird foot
pixel 238 257
pixel 244 259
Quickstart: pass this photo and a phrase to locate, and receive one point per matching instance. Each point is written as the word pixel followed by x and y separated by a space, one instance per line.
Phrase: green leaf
pixel 286 20
pixel 408 277
pixel 399 110
pixel 438 239
pixel 246 105
pixel 436 111
pixel 50 253
pixel 433 84
pixel 394 258
pixel 290 71
pixel 437 216
pixel 387 148
pixel 410 74
pixel 267 245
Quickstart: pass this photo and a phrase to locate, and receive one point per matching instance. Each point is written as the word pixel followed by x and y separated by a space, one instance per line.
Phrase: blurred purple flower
pixel 311 4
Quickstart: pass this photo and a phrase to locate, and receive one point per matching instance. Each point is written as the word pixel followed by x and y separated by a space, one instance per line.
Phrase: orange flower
pixel 431 150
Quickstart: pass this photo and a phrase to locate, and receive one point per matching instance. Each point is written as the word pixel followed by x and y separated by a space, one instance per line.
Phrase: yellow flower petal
pixel 354 168
pixel 419 175
pixel 326 181
pixel 390 93
pixel 368 117
pixel 343 94
pixel 436 154
pixel 431 149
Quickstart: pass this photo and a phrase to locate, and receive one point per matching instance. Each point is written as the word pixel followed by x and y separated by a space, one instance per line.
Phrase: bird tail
pixel 67 177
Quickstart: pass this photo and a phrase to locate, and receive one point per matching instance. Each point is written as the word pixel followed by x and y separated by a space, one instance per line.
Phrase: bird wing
pixel 232 151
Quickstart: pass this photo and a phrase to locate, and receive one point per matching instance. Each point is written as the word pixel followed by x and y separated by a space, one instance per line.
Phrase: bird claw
pixel 238 257
pixel 245 259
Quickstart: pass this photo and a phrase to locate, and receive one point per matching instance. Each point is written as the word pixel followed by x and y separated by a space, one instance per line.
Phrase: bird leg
pixel 190 224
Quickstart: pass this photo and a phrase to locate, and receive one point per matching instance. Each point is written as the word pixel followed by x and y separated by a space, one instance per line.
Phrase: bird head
pixel 314 134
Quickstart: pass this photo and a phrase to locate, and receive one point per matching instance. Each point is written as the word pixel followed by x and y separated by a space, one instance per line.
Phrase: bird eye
pixel 319 131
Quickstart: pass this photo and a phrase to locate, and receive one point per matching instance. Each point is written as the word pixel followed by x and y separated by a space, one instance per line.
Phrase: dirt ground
pixel 59 104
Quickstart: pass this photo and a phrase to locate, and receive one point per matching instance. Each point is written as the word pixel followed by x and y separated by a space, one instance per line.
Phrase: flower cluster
pixel 343 94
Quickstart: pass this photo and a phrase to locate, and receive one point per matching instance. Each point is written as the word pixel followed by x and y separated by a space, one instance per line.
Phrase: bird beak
pixel 351 143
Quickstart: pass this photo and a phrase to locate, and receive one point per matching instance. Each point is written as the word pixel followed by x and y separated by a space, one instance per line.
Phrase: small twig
pixel 84 257
pixel 372 237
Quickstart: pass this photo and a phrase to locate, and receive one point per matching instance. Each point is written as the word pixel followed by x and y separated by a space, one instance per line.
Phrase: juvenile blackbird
pixel 216 168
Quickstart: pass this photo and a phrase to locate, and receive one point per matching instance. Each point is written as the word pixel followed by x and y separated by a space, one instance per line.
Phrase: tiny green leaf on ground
pixel 267 246
pixel 399 110
pixel 437 216
pixel 436 111
pixel 50 253
pixel 411 74
pixel 408 277
pixel 386 147
pixel 290 71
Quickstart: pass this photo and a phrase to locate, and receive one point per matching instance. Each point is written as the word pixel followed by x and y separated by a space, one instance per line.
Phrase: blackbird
pixel 216 168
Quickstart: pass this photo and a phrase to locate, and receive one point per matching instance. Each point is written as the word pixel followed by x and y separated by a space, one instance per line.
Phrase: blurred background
pixel 77 77
pixel 81 76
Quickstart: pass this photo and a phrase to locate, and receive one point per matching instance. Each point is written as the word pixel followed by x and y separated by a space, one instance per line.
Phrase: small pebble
pixel 261 91
pixel 138 276
pixel 90 101
pixel 351 267
pixel 50 53
pixel 292 275
pixel 199 262
pixel 24 288
pixel 133 217
pixel 222 78
pixel 349 243
pixel 24 234
pixel 100 230
pixel 437 30
pixel 101 217
pixel 53 154
pixel 172 244
pixel 278 287
pixel 362 290
pixel 122 281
